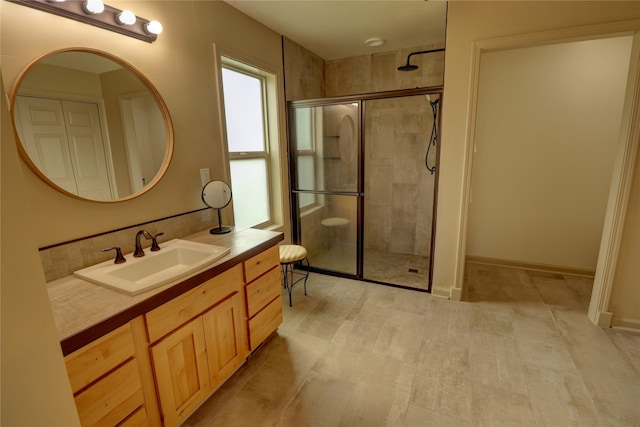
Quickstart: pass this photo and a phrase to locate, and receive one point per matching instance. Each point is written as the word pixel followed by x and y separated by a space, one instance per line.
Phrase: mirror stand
pixel 220 229
pixel 217 195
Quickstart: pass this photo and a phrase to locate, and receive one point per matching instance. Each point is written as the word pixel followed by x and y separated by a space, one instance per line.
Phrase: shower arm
pixel 422 52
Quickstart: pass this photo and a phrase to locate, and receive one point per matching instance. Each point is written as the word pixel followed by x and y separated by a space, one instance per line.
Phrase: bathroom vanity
pixel 151 359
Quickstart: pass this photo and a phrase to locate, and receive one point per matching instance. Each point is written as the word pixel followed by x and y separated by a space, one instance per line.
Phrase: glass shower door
pixel 400 185
pixel 325 180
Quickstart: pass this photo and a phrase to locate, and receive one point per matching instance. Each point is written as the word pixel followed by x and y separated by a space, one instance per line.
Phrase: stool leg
pixel 306 276
pixel 288 279
pixel 283 269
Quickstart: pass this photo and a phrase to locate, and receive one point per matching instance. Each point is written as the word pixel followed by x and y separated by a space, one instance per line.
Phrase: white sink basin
pixel 176 258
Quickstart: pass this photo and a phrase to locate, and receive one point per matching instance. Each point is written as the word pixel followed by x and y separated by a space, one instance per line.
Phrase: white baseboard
pixel 603 319
pixel 625 324
pixel 531 266
pixel 441 292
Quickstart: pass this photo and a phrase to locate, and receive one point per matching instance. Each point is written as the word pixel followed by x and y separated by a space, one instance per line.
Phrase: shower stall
pixel 364 184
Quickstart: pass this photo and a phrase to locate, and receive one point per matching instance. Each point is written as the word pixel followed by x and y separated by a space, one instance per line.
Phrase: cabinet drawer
pixel 112 399
pixel 261 263
pixel 262 291
pixel 264 323
pixel 185 307
pixel 139 419
pixel 94 360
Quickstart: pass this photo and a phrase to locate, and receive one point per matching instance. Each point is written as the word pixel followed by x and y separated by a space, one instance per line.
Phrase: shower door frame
pixel 359 193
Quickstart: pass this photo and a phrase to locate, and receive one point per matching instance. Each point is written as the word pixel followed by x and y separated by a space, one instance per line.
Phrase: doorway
pixel 622 172
pixel 364 180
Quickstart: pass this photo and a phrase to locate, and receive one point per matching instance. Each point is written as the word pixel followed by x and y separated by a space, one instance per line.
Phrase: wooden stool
pixel 289 256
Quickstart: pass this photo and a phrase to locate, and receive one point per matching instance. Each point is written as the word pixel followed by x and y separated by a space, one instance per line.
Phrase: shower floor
pixel 393 268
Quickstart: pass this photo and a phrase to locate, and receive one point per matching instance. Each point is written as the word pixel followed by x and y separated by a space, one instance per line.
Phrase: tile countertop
pixel 84 311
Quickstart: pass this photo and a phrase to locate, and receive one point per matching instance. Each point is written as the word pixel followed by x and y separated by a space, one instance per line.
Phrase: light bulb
pixel 153 27
pixel 126 17
pixel 93 6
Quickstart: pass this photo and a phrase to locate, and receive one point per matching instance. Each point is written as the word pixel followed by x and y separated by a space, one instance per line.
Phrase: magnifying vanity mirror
pixel 91 126
pixel 217 195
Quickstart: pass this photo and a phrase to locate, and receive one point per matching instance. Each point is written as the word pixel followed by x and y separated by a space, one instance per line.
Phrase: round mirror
pixel 91 126
pixel 217 195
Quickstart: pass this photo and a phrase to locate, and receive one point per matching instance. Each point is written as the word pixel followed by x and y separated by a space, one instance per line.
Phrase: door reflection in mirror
pixel 64 140
pixel 142 124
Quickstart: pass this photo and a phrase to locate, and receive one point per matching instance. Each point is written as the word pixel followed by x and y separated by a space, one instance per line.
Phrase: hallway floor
pixel 521 352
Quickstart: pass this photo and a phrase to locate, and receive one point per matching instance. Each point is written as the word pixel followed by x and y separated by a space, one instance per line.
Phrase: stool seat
pixel 289 256
pixel 292 253
pixel 334 222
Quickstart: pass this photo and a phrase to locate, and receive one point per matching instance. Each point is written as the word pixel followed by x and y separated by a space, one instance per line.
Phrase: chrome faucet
pixel 138 251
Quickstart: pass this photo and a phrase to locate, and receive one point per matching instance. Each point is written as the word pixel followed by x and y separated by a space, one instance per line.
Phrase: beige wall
pixel 473 21
pixel 34 386
pixel 180 64
pixel 546 136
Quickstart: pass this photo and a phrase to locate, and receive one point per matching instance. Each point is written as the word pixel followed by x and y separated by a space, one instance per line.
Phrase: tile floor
pixel 521 352
pixel 398 269
pixel 382 266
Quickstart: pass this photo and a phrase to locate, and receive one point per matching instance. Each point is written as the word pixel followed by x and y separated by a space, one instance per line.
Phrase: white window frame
pixel 271 153
pixel 311 153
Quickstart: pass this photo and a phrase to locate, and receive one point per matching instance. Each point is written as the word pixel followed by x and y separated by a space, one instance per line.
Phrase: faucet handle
pixel 119 257
pixel 154 243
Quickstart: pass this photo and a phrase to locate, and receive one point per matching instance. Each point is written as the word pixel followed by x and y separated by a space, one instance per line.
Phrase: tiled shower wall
pixel 62 260
pixel 398 186
pixel 378 72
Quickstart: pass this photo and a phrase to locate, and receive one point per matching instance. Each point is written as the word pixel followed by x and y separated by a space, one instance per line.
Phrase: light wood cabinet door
pixel 225 337
pixel 182 377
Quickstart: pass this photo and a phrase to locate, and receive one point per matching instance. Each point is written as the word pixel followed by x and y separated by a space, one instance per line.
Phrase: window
pixel 252 137
pixel 305 136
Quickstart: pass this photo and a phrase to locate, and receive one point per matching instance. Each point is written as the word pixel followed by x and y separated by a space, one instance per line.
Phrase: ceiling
pixel 335 29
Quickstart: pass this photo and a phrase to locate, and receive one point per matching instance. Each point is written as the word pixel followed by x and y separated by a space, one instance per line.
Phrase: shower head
pixel 409 66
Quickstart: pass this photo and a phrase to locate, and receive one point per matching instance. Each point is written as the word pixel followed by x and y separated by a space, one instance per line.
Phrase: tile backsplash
pixel 62 260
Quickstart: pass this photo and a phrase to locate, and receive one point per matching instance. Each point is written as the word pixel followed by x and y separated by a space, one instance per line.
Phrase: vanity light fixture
pixel 93 7
pixel 95 12
pixel 126 17
pixel 153 27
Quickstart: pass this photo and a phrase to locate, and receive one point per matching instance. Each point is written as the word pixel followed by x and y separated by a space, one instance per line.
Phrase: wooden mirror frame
pixel 13 93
